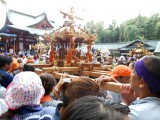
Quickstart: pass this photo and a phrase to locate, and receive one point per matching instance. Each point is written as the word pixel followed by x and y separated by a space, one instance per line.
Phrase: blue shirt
pixel 38 113
pixel 145 109
pixel 6 78
pixel 116 96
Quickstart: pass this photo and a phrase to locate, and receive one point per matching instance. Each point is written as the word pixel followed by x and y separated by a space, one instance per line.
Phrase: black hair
pixel 28 68
pixel 111 55
pixel 131 58
pixel 20 55
pixel 152 63
pixel 95 108
pixel 4 59
pixel 48 82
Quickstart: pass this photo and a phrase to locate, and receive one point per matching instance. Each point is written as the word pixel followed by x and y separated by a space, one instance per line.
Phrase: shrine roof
pixel 149 44
pixel 22 19
pixel 7 35
pixel 29 29
pixel 133 44
pixel 152 42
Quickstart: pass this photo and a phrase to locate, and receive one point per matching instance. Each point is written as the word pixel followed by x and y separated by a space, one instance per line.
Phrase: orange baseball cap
pixel 14 65
pixel 121 70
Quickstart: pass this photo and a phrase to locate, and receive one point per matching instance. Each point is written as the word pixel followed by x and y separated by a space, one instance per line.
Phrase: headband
pixel 148 77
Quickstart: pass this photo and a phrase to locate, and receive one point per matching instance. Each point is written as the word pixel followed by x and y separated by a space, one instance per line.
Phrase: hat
pixel 25 89
pixel 121 70
pixel 14 65
pixel 30 57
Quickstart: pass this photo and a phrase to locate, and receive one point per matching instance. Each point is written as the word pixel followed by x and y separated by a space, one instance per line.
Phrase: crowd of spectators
pixel 25 95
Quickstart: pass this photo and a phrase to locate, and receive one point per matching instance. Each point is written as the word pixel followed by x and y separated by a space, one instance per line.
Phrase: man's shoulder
pixel 47 110
pixel 51 111
pixel 52 103
pixel 2 72
pixel 47 113
pixel 5 75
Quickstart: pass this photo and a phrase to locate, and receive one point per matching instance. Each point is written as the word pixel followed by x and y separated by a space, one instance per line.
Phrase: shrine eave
pixel 132 45
pixel 40 18
pixel 7 35
pixel 33 31
pixel 18 18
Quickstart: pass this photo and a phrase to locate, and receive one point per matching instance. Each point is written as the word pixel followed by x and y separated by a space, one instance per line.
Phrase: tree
pixel 147 28
pixel 100 31
pixel 131 32
pixel 91 27
pixel 97 28
pixel 114 37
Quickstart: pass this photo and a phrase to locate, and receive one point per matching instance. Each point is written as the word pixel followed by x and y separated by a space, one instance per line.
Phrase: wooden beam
pixel 58 75
pixel 61 69
pixel 93 74
pixel 86 64
pixel 112 86
pixel 90 65
pixel 41 65
pixel 38 71
pixel 100 71
pixel 96 64
pixel 48 70
pixel 97 68
pixel 67 69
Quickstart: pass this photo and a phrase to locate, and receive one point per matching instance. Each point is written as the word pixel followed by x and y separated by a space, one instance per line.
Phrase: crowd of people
pixel 29 96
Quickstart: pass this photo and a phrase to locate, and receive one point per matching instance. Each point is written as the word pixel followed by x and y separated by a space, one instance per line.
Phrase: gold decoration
pixel 71 32
pixel 41 47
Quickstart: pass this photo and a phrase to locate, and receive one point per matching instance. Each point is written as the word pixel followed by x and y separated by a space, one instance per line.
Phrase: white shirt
pixel 145 109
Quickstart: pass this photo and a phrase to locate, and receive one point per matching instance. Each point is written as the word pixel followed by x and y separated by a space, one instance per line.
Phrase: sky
pixel 97 10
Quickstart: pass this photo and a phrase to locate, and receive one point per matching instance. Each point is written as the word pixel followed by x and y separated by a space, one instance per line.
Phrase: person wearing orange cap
pixel 120 73
pixel 30 59
pixel 14 67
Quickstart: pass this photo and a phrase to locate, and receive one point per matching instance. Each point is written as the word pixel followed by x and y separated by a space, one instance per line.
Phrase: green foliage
pixel 157 30
pixel 130 32
pixel 141 27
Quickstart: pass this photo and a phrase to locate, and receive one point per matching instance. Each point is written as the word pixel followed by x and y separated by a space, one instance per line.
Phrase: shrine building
pixel 21 30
